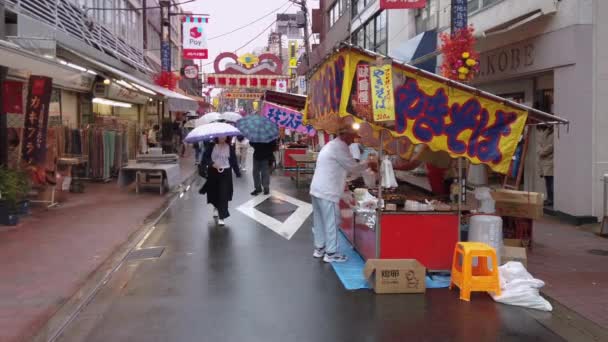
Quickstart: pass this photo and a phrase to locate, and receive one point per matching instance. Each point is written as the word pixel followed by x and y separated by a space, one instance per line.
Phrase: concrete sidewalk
pixel 52 253
pixel 563 256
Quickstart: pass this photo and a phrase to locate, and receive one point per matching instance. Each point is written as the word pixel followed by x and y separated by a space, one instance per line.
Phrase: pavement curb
pixel 569 324
pixel 99 277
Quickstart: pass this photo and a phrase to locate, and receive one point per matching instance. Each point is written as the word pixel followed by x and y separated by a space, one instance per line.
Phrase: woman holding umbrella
pixel 219 161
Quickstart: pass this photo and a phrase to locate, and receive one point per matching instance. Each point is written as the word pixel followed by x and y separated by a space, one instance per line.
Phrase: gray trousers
pixel 261 174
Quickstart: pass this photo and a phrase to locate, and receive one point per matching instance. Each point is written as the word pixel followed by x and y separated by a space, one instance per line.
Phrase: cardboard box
pixel 518 203
pixel 514 254
pixel 395 275
pixel 513 243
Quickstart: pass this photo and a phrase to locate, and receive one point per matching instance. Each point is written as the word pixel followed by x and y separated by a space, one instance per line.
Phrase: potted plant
pixel 14 187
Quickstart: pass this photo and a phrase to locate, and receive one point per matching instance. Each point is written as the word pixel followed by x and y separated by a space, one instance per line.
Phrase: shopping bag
pixel 203 170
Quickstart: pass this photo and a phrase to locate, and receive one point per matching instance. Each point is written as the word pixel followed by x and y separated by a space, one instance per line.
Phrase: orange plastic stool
pixel 474 278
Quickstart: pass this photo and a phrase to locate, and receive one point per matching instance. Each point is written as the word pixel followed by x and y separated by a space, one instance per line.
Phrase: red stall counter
pixel 289 163
pixel 428 237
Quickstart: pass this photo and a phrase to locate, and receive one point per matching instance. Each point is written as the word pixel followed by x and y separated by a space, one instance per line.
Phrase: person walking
pixel 242 148
pixel 153 136
pixel 545 160
pixel 220 160
pixel 333 165
pixel 263 155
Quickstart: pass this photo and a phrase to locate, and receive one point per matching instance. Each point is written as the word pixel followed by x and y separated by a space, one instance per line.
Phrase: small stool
pixel 474 278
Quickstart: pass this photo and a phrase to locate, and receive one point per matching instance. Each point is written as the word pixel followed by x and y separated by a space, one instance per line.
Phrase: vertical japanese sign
pixel 363 94
pixel 460 15
pixel 402 4
pixel 383 101
pixel 36 121
pixel 194 38
pixel 165 56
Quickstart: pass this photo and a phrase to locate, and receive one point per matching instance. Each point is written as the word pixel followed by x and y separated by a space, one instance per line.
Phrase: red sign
pixel 402 4
pixel 363 89
pixel 190 71
pixel 12 94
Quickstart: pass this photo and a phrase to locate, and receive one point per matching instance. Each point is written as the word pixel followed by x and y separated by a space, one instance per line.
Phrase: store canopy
pixel 22 63
pixel 285 99
pixel 176 101
pixel 427 109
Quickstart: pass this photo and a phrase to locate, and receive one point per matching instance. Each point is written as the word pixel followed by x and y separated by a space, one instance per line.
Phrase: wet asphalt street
pixel 245 282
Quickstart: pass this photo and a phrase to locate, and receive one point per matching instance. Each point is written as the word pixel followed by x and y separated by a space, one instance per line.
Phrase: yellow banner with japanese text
pixel 383 101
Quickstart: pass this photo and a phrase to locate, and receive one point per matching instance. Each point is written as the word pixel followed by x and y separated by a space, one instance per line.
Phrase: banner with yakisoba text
pixel 427 110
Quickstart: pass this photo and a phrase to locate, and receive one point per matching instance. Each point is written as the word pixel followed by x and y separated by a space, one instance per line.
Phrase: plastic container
pixel 487 229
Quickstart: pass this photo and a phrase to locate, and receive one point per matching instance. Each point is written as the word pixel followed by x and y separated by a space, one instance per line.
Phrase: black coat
pixel 234 164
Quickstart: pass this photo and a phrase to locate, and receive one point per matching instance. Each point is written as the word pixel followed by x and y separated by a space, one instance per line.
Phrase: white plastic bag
pixel 520 288
pixel 388 174
pixel 370 178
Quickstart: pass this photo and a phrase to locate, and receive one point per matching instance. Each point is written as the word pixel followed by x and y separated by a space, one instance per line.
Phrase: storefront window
pixel 358 6
pixel 476 5
pixel 426 18
pixel 373 34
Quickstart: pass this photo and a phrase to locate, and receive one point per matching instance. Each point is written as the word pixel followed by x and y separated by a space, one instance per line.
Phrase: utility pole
pixel 304 8
pixel 3 118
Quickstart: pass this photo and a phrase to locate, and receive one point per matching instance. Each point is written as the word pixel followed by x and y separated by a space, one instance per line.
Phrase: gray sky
pixel 227 15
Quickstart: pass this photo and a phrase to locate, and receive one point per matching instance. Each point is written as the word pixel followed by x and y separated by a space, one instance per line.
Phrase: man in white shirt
pixel 333 164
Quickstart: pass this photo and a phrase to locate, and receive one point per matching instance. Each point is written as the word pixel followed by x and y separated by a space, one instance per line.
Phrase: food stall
pixel 418 107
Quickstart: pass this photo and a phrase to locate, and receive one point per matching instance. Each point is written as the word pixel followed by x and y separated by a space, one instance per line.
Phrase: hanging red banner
pixel 402 4
pixel 12 94
pixel 36 122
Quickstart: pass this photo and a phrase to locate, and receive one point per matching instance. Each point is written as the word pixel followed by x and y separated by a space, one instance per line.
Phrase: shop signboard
pixel 243 96
pixel 281 86
pixel 287 118
pixel 12 96
pixel 363 85
pixel 402 4
pixel 427 111
pixel 190 71
pixel 383 101
pixel 116 92
pixel 194 38
pixel 165 56
pixel 33 148
pixel 460 15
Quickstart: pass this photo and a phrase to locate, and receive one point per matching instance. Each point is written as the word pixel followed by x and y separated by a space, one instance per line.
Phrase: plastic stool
pixel 474 278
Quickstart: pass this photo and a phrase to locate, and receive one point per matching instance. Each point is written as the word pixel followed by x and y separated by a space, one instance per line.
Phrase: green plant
pixel 14 186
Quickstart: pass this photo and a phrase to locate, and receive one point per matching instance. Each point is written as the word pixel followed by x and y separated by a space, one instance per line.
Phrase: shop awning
pixel 286 99
pixel 525 12
pixel 416 48
pixel 23 63
pixel 176 101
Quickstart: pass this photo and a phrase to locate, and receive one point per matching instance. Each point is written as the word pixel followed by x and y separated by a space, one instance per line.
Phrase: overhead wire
pixel 251 23
pixel 256 36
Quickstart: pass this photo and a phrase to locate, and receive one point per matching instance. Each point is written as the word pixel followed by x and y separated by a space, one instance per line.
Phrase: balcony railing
pixel 66 17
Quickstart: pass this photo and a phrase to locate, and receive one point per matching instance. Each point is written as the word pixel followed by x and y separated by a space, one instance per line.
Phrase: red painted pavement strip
pixel 51 254
pixel 574 277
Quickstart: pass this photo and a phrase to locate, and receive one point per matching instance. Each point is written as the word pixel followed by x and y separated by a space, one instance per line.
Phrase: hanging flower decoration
pixel 460 60
pixel 166 79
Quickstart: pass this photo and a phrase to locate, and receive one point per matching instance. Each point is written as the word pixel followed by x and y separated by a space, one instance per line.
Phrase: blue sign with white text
pixel 165 56
pixel 460 15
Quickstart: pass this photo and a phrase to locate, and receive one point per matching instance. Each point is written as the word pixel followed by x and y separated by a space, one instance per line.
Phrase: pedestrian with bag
pixel 334 163
pixel 242 148
pixel 218 163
